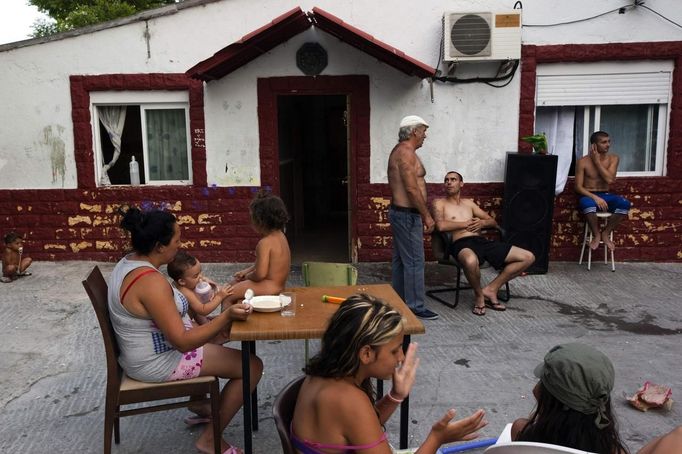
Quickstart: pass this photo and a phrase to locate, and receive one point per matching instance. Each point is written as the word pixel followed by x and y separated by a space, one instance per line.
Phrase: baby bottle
pixel 204 291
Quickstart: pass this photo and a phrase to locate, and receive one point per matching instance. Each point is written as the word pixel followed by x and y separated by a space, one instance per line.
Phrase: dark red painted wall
pixel 81 224
pixel 653 231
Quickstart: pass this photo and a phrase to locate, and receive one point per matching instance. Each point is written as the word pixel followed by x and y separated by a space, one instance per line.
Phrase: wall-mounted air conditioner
pixel 482 36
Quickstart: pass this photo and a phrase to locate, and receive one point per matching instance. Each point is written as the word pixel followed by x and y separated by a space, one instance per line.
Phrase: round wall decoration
pixel 311 59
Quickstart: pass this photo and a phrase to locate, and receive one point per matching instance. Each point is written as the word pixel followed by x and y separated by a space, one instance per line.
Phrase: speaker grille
pixel 529 204
pixel 527 209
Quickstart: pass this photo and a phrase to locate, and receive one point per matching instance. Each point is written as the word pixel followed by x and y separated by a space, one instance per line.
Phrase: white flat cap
pixel 412 120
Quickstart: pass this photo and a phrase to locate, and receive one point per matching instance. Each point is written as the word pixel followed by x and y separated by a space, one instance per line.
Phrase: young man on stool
pixel 593 175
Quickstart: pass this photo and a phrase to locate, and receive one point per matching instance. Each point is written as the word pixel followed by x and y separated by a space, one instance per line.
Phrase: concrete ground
pixel 52 369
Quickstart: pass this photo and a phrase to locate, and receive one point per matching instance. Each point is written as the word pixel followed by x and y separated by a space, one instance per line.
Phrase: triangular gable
pixel 251 46
pixel 290 24
pixel 370 45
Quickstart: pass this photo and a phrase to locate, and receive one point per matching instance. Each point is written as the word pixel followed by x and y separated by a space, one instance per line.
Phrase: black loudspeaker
pixel 529 183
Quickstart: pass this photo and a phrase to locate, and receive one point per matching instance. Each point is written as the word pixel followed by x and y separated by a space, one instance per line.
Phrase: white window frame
pixel 145 100
pixel 658 92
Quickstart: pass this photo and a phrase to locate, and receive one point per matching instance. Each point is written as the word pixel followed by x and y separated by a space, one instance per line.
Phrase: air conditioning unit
pixel 482 36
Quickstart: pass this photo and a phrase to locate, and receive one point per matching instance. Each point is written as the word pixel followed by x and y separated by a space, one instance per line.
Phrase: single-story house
pixel 216 99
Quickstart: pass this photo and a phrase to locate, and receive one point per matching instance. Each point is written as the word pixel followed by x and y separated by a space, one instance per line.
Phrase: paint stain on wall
pixel 75 247
pixel 105 246
pixel 52 140
pixel 53 143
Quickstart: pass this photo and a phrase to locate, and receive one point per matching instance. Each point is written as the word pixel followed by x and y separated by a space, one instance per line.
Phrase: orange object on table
pixel 332 299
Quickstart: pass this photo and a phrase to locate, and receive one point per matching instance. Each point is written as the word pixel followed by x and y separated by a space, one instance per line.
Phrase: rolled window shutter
pixel 587 84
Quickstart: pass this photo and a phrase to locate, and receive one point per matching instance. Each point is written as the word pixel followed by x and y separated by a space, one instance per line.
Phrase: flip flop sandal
pixel 231 450
pixel 496 307
pixel 478 310
pixel 196 420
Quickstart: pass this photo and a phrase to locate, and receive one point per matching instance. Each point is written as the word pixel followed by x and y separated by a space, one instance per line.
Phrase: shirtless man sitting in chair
pixel 465 220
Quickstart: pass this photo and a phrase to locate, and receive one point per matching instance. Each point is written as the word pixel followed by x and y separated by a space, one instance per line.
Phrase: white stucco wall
pixel 472 125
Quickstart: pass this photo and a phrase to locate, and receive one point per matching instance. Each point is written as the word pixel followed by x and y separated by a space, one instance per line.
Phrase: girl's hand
pixel 404 375
pixel 239 311
pixel 462 430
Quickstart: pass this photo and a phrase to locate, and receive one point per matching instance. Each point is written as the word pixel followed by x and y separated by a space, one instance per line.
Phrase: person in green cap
pixel 574 405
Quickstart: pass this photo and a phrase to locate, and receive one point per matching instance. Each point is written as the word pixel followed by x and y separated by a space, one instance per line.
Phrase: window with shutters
pixel 150 126
pixel 628 100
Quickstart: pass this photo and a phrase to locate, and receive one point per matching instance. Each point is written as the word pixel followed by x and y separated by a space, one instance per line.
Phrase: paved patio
pixel 53 372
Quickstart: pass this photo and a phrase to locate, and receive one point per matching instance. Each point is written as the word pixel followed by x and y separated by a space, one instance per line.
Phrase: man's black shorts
pixel 494 252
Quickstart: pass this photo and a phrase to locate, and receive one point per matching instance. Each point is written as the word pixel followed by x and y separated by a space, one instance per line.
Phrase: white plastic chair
pixel 504 445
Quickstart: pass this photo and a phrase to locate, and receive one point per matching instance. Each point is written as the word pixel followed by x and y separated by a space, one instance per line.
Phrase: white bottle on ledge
pixel 134 172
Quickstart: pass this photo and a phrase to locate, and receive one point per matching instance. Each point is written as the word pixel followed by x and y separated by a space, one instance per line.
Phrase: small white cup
pixel 287 304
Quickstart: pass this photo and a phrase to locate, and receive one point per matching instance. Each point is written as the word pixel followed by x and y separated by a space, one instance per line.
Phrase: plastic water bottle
pixel 134 172
pixel 204 291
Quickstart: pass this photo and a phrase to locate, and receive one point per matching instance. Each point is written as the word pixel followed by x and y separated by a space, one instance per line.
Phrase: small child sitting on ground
pixel 13 264
pixel 185 270
pixel 268 275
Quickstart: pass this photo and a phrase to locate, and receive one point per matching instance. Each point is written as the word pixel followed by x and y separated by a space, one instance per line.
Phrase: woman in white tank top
pixel 157 339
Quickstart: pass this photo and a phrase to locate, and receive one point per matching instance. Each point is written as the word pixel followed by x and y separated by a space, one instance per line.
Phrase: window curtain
pixel 628 127
pixel 113 118
pixel 167 144
pixel 557 124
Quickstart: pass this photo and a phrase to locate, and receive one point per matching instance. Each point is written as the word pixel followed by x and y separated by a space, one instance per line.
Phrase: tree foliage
pixel 70 14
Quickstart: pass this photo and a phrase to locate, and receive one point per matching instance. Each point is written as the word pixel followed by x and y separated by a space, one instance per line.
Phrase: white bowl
pixel 265 303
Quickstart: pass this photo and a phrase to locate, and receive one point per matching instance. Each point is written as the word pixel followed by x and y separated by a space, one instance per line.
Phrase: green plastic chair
pixel 325 274
pixel 322 274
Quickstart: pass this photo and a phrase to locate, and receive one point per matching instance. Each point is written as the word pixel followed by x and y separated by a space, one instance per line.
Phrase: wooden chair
pixel 440 245
pixel 123 390
pixel 283 412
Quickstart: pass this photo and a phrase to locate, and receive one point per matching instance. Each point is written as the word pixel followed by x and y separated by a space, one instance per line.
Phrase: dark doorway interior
pixel 313 169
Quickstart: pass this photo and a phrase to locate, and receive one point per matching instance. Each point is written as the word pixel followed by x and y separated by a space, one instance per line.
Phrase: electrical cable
pixel 486 80
pixel 442 46
pixel 658 14
pixel 584 19
pixel 511 77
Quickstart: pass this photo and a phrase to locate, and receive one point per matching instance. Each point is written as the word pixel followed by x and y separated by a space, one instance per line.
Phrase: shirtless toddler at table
pixel 268 275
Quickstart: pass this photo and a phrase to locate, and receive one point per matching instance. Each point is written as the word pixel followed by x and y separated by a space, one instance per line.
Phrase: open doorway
pixel 313 171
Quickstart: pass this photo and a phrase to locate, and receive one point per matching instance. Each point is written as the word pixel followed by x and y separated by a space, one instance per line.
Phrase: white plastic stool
pixel 603 218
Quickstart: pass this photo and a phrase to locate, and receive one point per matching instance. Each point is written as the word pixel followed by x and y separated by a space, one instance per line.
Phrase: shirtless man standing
pixel 465 220
pixel 409 215
pixel 593 175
